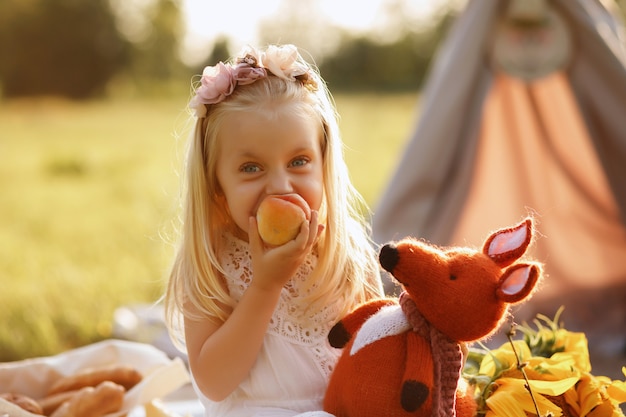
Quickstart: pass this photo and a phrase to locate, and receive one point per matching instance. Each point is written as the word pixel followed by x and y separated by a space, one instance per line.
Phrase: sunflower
pixel 597 396
pixel 545 374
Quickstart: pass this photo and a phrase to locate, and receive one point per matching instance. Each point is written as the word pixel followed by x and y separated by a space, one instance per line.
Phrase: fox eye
pixel 452 277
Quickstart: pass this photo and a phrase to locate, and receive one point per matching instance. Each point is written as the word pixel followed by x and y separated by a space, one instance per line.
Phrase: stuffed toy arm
pixel 342 331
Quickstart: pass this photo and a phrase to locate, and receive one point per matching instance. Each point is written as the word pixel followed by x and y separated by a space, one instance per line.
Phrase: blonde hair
pixel 347 267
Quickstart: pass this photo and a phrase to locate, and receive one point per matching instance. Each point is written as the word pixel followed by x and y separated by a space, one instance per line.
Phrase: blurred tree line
pixel 78 48
pixel 75 48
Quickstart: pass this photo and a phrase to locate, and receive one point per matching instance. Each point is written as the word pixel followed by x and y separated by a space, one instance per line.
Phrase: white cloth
pixel 292 370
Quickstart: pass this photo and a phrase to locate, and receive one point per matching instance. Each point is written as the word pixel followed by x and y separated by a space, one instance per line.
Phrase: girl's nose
pixel 279 183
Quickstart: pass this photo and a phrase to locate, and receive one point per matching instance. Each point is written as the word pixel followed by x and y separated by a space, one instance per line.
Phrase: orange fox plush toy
pixel 403 357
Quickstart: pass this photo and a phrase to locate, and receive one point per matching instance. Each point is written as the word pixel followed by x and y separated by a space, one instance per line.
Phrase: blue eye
pixel 298 162
pixel 249 168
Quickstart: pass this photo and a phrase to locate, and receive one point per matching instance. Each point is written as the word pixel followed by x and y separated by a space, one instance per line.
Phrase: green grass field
pixel 89 196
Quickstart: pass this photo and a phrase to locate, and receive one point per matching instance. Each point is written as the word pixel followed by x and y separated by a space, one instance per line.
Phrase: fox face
pixel 465 293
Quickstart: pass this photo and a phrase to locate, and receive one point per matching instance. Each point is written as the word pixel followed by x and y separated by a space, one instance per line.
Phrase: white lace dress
pixel 292 370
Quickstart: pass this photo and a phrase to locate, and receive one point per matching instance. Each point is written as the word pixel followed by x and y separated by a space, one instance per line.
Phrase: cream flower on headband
pixel 219 81
pixel 282 61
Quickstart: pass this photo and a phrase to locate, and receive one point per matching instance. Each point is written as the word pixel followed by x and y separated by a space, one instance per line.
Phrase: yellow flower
pixel 504 358
pixel 555 364
pixel 508 396
pixel 512 399
pixel 559 366
pixel 617 389
pixel 553 339
pixel 597 396
pixel 503 362
pixel 575 344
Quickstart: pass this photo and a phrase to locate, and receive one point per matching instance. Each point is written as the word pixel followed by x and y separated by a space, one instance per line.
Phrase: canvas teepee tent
pixel 524 113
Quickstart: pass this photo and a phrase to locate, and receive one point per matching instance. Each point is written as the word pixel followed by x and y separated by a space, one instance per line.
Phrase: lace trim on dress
pixel 287 320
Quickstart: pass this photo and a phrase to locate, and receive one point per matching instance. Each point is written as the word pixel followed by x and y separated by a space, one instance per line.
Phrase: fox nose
pixel 388 257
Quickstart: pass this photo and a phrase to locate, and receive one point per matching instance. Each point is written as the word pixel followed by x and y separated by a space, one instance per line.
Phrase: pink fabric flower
pixel 244 74
pixel 282 61
pixel 217 83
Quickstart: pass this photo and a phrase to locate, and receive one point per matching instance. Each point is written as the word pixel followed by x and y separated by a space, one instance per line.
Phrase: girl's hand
pixel 222 354
pixel 273 266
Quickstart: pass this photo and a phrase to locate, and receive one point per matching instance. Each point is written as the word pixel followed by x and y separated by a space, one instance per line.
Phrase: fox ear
pixel 507 245
pixel 517 283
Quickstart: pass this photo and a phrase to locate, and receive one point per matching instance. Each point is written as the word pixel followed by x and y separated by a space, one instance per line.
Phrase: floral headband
pixel 219 81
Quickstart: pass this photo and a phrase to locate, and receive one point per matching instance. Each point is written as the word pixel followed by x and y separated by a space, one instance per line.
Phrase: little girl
pixel 255 317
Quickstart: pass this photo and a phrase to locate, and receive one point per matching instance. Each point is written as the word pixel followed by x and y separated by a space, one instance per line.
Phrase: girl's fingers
pixel 320 230
pixel 253 234
pixel 315 229
pixel 313 226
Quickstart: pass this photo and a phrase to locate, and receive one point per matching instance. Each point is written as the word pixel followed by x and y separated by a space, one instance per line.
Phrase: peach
pixel 279 218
